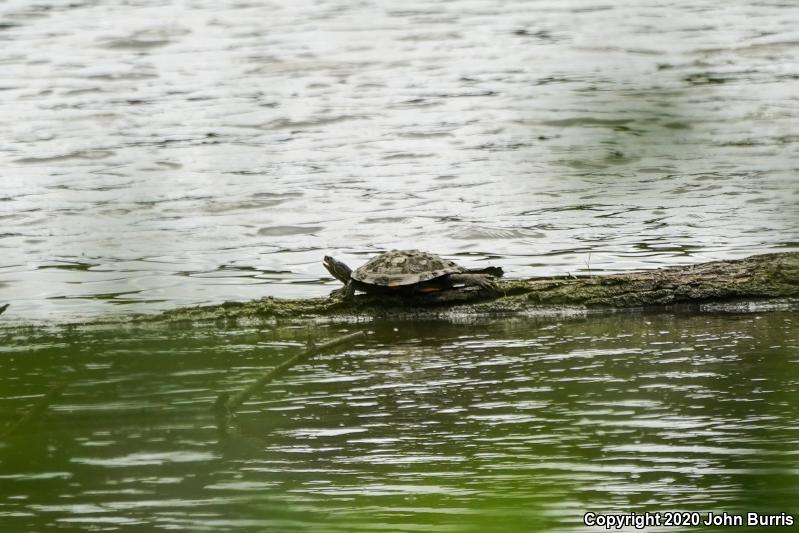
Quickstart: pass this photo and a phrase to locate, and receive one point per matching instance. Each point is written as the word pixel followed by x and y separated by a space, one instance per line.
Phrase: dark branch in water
pixel 38 408
pixel 226 404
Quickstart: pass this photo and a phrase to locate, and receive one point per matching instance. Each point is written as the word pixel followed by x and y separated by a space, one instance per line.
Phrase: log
pixel 756 278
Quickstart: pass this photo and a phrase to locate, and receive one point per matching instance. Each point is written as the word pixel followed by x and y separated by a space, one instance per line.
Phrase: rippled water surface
pixel 162 153
pixel 518 425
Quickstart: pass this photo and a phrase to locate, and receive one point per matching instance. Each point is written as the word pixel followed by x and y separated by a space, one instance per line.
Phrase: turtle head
pixel 337 269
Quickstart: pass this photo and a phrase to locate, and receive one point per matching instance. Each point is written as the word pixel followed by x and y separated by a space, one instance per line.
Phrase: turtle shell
pixel 404 267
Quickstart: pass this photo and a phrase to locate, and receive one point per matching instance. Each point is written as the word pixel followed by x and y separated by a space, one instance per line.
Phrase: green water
pixel 514 425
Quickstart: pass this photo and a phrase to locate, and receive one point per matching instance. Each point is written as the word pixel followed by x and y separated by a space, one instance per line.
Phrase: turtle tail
pixel 497 272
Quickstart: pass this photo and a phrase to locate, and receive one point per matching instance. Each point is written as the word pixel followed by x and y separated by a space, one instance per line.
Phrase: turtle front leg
pixel 484 281
pixel 345 293
pixel 338 293
pixel 348 293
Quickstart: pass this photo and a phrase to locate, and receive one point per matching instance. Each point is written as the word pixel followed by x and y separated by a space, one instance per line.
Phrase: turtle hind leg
pixel 484 281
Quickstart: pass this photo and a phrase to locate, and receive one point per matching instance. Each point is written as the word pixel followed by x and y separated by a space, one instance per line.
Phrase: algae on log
pixel 754 278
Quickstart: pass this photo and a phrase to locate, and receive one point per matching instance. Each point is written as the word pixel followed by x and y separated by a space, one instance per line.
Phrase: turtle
pixel 407 272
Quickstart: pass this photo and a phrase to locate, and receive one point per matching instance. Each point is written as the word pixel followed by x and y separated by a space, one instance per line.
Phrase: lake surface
pixel 157 154
pixel 506 425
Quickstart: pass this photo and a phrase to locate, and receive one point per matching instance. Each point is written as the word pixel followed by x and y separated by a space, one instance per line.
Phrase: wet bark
pixel 756 278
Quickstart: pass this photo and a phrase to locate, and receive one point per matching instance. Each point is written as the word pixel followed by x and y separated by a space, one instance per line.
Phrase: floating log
pixel 756 278
pixel 3 308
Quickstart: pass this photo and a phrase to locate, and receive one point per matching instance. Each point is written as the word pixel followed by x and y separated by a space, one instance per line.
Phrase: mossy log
pixel 768 276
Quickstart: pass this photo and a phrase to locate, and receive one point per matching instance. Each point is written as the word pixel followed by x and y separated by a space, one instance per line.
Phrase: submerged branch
pixel 226 404
pixel 38 408
pixel 233 402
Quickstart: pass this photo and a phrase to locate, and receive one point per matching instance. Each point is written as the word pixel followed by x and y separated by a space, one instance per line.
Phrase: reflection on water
pixel 516 425
pixel 159 153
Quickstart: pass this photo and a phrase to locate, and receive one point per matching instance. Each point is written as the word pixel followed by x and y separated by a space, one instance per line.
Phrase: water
pixel 514 425
pixel 158 154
